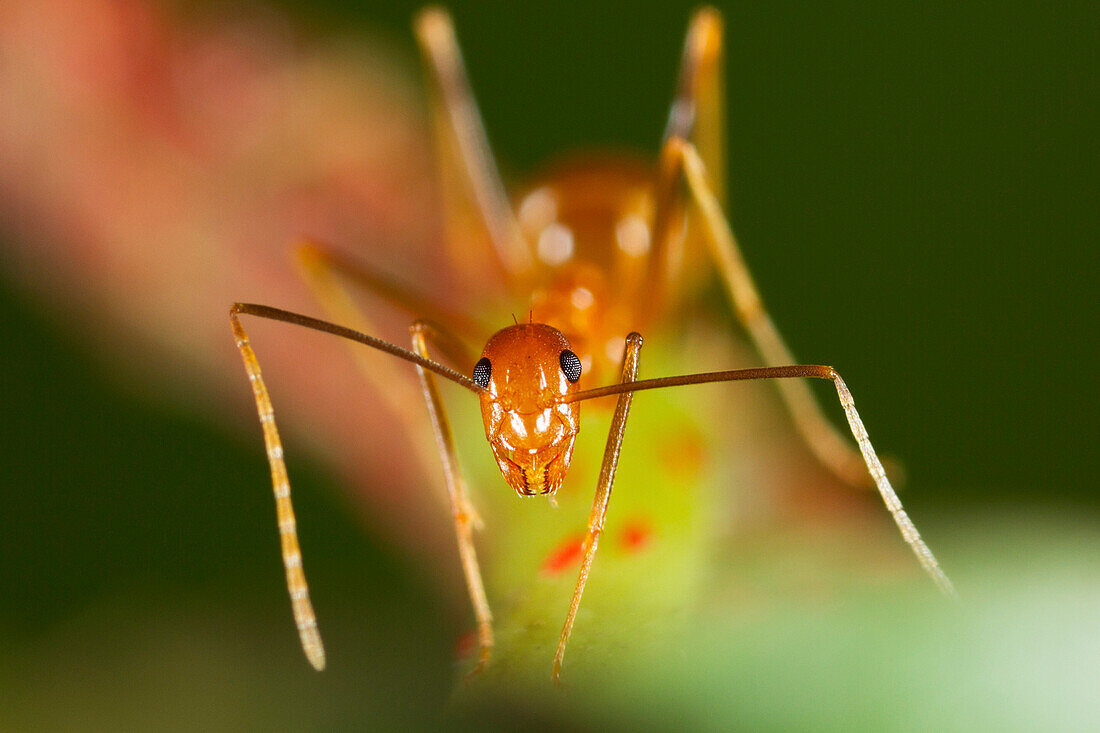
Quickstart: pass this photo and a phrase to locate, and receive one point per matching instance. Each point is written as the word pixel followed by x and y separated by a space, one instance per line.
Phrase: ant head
pixel 526 369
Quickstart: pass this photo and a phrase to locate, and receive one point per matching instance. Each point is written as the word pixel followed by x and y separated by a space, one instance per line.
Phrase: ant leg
pixel 465 517
pixel 467 168
pixel 329 274
pixel 326 271
pixel 603 491
pixel 698 111
pixel 821 436
pixel 304 617
pixel 870 460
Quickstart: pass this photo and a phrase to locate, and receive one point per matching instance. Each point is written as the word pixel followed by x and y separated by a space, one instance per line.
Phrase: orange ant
pixel 585 232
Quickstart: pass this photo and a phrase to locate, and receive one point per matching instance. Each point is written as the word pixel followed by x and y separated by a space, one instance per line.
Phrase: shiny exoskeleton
pixel 523 369
pixel 600 247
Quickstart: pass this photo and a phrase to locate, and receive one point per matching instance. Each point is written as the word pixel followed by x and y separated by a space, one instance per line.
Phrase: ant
pixel 590 230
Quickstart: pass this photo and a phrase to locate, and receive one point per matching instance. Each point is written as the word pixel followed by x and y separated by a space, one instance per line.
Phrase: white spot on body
pixel 555 245
pixel 582 298
pixel 519 429
pixel 537 211
pixel 632 235
pixel 542 422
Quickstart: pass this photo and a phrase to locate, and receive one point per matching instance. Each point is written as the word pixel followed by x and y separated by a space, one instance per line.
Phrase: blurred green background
pixel 915 187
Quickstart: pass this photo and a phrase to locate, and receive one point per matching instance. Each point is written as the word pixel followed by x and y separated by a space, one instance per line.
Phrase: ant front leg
pixel 826 442
pixel 603 491
pixel 462 510
pixel 304 617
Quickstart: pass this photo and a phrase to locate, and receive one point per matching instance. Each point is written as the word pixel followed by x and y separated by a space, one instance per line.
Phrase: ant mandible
pixel 593 224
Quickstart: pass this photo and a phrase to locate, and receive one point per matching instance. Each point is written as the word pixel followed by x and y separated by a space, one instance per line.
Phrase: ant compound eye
pixel 482 371
pixel 570 365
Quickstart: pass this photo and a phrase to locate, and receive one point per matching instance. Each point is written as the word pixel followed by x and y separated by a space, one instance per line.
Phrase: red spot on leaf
pixel 567 553
pixel 684 454
pixel 636 535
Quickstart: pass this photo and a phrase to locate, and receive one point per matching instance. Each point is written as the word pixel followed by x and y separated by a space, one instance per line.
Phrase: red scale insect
pixel 600 247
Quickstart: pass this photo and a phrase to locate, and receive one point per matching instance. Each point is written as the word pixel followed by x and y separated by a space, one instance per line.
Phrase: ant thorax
pixel 589 224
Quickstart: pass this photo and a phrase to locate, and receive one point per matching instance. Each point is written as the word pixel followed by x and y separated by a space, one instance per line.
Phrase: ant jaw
pixel 540 473
pixel 527 492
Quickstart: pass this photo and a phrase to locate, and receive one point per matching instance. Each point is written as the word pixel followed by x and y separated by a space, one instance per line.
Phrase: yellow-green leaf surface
pixel 697 543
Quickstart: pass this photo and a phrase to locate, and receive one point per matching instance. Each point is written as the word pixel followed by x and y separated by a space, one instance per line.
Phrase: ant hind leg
pixel 472 190
pixel 826 442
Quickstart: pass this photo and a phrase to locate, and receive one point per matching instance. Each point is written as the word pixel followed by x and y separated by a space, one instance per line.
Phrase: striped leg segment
pixel 826 442
pixel 465 517
pixel 304 618
pixel 472 188
pixel 603 492
pixel 869 459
